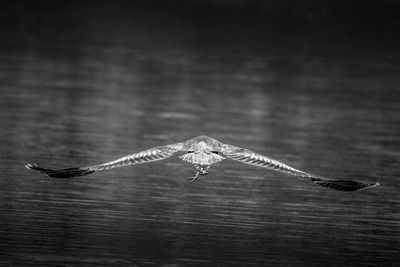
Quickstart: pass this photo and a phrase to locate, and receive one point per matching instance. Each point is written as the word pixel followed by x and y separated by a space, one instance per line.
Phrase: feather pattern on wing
pixel 251 158
pixel 150 155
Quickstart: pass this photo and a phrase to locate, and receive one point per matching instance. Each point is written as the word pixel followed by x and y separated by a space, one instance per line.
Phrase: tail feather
pixel 61 173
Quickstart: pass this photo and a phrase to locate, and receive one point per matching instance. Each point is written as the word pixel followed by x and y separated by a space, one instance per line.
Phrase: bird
pixel 203 151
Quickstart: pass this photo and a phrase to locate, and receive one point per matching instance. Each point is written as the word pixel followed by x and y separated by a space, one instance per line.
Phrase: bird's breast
pixel 202 158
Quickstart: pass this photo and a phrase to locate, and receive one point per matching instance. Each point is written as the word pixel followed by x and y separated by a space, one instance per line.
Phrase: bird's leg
pixel 192 179
pixel 200 170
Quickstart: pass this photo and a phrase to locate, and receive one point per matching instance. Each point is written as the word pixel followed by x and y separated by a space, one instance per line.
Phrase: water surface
pixel 64 107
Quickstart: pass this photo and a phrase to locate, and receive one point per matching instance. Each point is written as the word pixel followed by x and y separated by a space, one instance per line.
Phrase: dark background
pixel 345 29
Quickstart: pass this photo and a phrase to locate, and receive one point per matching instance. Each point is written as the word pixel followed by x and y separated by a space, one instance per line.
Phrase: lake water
pixel 63 107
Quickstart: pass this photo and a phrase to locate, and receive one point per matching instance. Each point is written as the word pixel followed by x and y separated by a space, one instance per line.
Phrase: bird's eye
pixel 190 151
pixel 215 152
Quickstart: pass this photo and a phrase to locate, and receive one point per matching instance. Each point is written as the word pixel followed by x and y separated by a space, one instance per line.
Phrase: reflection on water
pixel 64 108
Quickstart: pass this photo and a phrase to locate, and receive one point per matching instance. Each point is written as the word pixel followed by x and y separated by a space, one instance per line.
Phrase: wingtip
pixel 374 184
pixel 370 186
pixel 31 166
pixel 61 173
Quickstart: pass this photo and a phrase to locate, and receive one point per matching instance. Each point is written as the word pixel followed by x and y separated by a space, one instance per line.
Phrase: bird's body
pixel 202 152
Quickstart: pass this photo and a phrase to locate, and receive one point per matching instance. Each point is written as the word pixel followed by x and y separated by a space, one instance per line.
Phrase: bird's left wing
pixel 249 157
pixel 150 155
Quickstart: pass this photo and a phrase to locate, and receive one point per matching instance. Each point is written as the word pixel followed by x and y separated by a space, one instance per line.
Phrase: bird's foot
pixel 202 169
pixel 192 179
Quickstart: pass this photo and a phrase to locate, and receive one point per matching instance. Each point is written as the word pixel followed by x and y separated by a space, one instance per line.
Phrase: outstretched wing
pixel 150 155
pixel 252 158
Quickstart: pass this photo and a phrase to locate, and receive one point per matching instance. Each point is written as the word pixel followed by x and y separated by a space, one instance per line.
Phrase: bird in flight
pixel 202 152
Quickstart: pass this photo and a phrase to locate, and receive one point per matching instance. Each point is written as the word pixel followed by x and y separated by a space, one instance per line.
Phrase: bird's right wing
pixel 150 155
pixel 249 157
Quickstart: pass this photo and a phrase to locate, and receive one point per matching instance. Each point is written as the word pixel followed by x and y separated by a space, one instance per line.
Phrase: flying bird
pixel 202 152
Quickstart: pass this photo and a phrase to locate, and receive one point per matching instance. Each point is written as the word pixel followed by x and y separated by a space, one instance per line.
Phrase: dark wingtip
pixel 62 173
pixel 34 167
pixel 369 186
pixel 344 185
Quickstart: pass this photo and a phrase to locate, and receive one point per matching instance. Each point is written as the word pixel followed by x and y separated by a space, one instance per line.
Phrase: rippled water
pixel 64 107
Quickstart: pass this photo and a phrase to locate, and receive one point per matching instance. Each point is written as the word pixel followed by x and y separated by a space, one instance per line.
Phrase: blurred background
pixel 312 83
